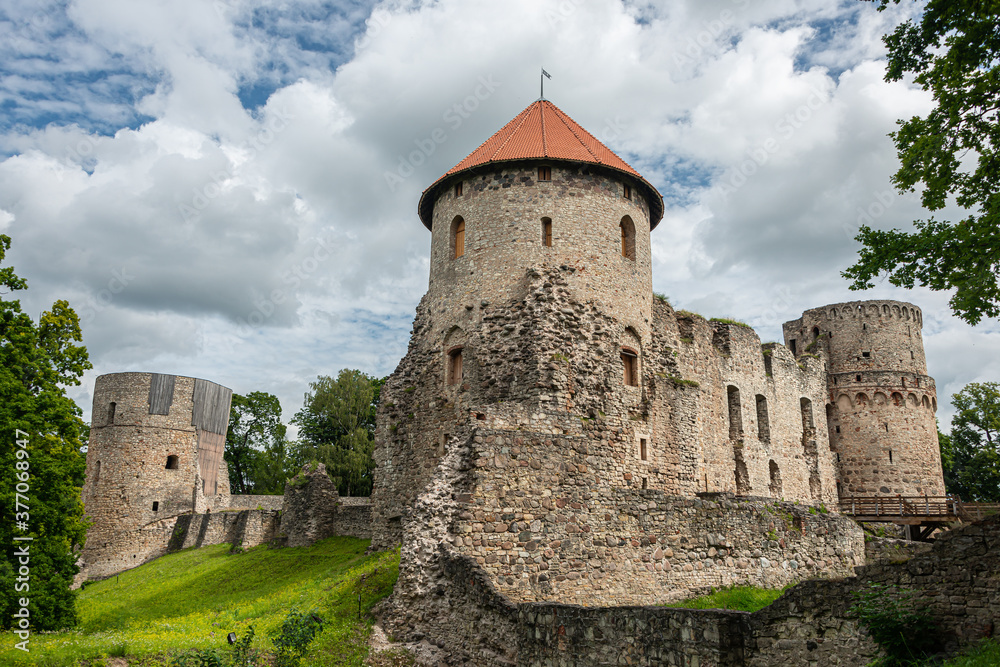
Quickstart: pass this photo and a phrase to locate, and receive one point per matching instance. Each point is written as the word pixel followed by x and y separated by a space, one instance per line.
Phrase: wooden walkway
pixel 921 514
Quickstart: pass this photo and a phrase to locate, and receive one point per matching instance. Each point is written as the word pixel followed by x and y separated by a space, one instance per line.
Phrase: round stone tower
pixel 155 452
pixel 881 404
pixel 542 191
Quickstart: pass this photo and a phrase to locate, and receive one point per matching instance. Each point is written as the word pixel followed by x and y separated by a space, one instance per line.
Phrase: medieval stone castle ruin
pixel 556 433
pixel 156 480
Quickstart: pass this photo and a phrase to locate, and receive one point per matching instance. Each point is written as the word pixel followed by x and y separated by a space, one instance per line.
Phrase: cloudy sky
pixel 227 189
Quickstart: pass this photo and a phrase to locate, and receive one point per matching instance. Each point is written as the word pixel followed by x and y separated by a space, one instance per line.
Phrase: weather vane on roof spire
pixel 541 82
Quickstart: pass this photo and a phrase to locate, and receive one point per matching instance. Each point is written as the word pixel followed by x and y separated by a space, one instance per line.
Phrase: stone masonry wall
pixel 810 624
pixel 244 529
pixel 249 502
pixel 554 533
pixel 312 510
pixel 957 581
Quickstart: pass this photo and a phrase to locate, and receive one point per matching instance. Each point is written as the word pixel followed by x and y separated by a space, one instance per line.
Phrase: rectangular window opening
pixel 642 450
pixel 630 365
pixel 545 173
pixel 156 505
pixel 644 482
pixel 547 232
pixel 866 355
pixel 458 189
pixel 890 456
pixel 455 367
pixel 628 192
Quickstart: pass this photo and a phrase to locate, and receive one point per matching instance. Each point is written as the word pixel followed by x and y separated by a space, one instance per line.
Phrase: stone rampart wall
pixel 249 502
pixel 558 533
pixel 243 528
pixel 956 581
pixel 811 624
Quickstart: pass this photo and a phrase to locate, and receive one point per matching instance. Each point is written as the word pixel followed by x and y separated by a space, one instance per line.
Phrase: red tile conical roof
pixel 543 132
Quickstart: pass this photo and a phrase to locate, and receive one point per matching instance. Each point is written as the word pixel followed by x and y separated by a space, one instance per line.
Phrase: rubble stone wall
pixel 250 502
pixel 957 581
pixel 312 510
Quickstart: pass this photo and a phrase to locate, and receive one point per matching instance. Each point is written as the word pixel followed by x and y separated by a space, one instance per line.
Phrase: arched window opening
pixel 547 232
pixel 735 418
pixel 457 237
pixel 775 486
pixel 172 462
pixel 628 238
pixel 455 366
pixel 630 365
pixel 815 333
pixel 897 399
pixel 806 407
pixel 742 476
pixel 97 473
pixel 763 425
pixel 111 412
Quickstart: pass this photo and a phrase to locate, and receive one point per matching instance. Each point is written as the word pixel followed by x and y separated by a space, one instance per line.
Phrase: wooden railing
pixel 900 506
pixel 888 507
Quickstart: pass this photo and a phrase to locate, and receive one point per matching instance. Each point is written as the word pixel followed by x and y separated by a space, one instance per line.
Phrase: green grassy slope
pixel 194 598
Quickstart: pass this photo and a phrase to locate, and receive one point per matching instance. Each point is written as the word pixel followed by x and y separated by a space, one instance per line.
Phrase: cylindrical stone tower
pixel 155 451
pixel 881 401
pixel 542 190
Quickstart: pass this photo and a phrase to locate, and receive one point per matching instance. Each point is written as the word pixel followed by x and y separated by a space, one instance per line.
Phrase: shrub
pixel 903 631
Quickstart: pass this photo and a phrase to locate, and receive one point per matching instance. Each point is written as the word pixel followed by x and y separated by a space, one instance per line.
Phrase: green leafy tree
pixel 37 362
pixel 337 428
pixel 256 447
pixel 970 455
pixel 953 52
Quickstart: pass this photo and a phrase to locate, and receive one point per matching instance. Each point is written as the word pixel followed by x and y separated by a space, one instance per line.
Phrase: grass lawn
pixel 194 598
pixel 739 598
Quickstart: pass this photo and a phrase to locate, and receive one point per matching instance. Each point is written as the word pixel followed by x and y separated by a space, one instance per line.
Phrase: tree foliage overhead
pixel 256 447
pixel 970 455
pixel 37 361
pixel 337 428
pixel 954 53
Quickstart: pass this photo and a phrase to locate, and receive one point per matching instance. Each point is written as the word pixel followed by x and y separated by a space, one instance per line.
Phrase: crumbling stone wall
pixel 881 401
pixel 957 580
pixel 147 437
pixel 312 510
pixel 545 371
pixel 461 610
